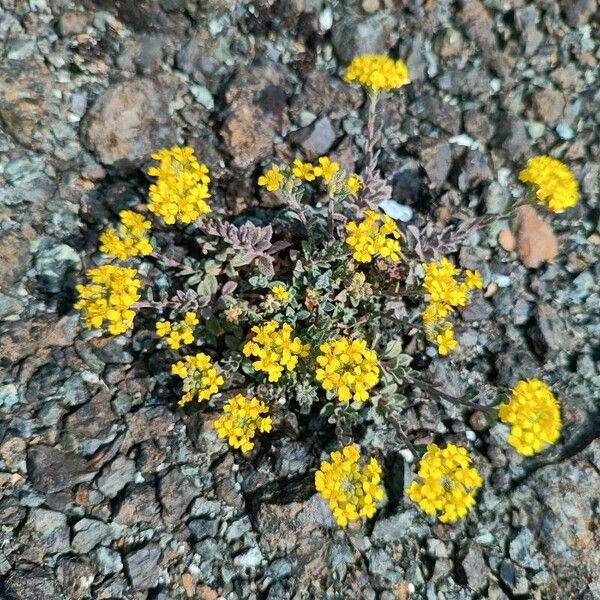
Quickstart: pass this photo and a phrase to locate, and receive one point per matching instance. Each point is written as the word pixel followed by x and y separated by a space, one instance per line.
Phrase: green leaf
pixel 404 360
pixel 392 349
pixel 207 288
pixel 327 410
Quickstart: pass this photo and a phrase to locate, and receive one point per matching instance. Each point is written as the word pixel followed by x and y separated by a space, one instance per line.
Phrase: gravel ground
pixel 106 489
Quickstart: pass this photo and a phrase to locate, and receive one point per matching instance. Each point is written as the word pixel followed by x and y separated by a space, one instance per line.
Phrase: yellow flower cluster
pixel 272 344
pixel 108 298
pixel 553 183
pixel 534 416
pixel 377 72
pixel 444 294
pixel 129 239
pixel 347 367
pixel 280 293
pixel 351 491
pixel 448 483
pixel 200 378
pixel 276 178
pixel 181 187
pixel 376 234
pixel 178 333
pixel 241 420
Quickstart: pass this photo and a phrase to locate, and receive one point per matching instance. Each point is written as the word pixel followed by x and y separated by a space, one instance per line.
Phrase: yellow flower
pixel 129 239
pixel 534 416
pixel 275 349
pixel 181 189
pixel 445 340
pixel 271 179
pixel 377 72
pixel 200 378
pixel 448 483
pixel 473 279
pixel 241 420
pixel 353 184
pixel 107 300
pixel 180 333
pixel 350 490
pixel 348 368
pixel 327 168
pixel 280 293
pixel 376 234
pixel 303 170
pixel 554 184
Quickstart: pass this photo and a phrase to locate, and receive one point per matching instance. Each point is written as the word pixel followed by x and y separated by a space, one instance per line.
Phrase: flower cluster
pixel 272 344
pixel 276 178
pixel 347 367
pixel 178 333
pixel 444 294
pixel 129 239
pixel 108 299
pixel 240 421
pixel 280 293
pixel 376 234
pixel 181 188
pixel 377 72
pixel 200 378
pixel 534 416
pixel 448 483
pixel 554 185
pixel 351 491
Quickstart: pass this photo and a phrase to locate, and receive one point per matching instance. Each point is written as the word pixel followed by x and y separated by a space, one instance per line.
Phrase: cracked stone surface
pixel 107 490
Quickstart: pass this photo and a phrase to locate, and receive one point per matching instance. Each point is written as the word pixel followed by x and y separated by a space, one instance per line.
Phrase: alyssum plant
pixel 310 312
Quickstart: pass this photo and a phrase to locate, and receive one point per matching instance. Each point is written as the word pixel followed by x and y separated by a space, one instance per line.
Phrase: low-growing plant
pixel 313 311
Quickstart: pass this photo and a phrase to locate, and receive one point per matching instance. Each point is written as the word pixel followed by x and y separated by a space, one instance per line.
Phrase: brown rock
pixel 548 105
pixel 506 239
pixel 536 242
pixel 128 121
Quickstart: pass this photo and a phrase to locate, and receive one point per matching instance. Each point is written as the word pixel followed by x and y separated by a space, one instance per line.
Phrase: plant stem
pixel 392 419
pixel 170 262
pixel 153 304
pixel 428 387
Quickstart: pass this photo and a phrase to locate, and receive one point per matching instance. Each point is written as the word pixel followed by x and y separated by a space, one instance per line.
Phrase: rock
pixel 511 135
pixel 436 157
pixel 52 470
pixel 474 171
pixel 506 239
pixel 474 567
pixel 521 550
pixel 536 242
pixel 398 527
pixel 76 576
pixel 204 528
pixel 554 330
pixel 139 506
pixel 48 531
pixel 397 211
pixel 526 19
pixel 88 534
pixel 142 567
pixel 549 105
pixel 249 559
pixel 9 306
pixel 176 493
pixel 579 12
pixel 316 139
pixel 56 265
pixel 116 476
pixel 353 36
pixel 108 561
pixel 24 583
pixel 128 122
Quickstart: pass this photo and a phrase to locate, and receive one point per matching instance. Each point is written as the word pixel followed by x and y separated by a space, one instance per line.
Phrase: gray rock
pixel 397 211
pixel 521 550
pixel 9 306
pixel 176 493
pixel 88 534
pixel 238 529
pixel 128 121
pixel 116 476
pixel 475 567
pixel 204 528
pixel 76 576
pixel 108 561
pixel 55 265
pixel 436 156
pixel 249 559
pixel 49 530
pixel 31 584
pixel 353 36
pixel 52 470
pixel 316 139
pixel 142 567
